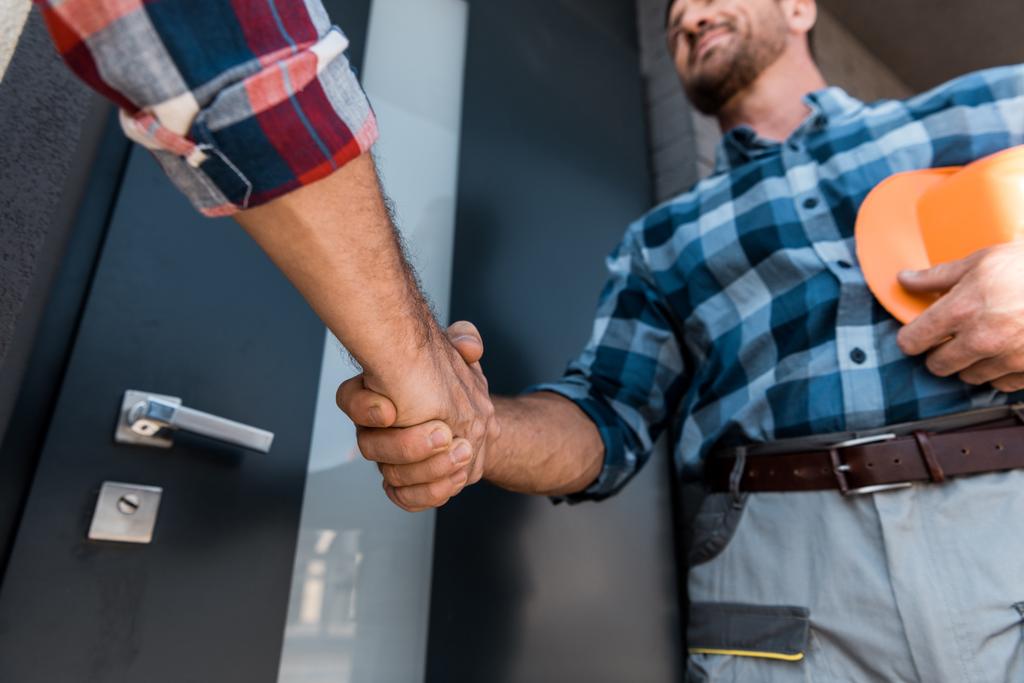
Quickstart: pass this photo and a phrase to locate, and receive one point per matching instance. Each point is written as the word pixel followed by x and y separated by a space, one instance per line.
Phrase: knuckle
pixel 438 467
pixel 971 378
pixel 365 445
pixel 937 366
pixel 985 259
pixel 404 498
pixel 406 448
pixel 907 342
pixel 986 345
pixel 477 431
pixel 439 492
pixel 443 466
pixel 1009 383
pixel 339 395
pixel 960 311
pixel 393 475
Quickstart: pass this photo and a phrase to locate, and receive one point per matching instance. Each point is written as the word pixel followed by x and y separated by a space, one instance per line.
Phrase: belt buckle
pixel 839 468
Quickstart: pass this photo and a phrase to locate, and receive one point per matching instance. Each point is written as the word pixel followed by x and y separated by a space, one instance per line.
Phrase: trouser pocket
pixel 714 526
pixel 740 642
pixel 1017 662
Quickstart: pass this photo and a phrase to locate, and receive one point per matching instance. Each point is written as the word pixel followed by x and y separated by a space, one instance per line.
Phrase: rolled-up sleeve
pixel 630 377
pixel 241 102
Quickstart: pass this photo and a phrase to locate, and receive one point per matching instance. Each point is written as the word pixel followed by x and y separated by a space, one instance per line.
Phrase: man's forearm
pixel 335 241
pixel 547 446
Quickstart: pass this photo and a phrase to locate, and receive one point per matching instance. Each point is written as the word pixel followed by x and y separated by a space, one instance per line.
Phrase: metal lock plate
pixel 125 513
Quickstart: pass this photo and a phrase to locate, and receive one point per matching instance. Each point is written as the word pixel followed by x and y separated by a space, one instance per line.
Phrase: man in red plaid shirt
pixel 253 111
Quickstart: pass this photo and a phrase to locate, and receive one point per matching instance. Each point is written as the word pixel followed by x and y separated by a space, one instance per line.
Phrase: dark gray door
pixel 191 308
pixel 553 167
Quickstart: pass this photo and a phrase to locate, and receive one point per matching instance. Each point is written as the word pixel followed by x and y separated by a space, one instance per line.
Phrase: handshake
pixel 428 433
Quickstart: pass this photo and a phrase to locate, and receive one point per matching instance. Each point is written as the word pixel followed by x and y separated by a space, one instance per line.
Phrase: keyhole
pixel 128 504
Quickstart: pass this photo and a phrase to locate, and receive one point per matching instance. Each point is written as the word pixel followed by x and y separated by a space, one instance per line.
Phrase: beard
pixel 728 69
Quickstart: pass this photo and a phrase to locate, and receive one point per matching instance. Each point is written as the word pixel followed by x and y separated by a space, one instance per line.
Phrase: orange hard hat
pixel 919 219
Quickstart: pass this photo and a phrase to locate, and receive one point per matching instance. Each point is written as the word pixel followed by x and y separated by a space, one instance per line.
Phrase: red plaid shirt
pixel 241 101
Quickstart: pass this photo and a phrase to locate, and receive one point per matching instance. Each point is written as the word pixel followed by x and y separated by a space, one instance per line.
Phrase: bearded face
pixel 720 47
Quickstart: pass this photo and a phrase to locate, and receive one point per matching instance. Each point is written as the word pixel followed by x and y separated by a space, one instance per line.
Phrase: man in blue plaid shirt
pixel 737 319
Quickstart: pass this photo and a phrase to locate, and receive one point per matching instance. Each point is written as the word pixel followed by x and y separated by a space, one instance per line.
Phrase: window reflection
pixel 322 623
pixel 347 624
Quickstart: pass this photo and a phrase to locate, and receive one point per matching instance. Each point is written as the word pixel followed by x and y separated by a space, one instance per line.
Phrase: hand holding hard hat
pixel 919 219
pixel 965 224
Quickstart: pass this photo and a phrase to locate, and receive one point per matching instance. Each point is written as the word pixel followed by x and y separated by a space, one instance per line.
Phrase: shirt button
pixel 845 265
pixel 858 356
pixel 810 203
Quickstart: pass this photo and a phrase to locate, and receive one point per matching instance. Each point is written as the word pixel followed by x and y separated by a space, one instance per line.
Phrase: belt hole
pixel 999 446
pixel 965 451
pixel 870 465
pixel 896 461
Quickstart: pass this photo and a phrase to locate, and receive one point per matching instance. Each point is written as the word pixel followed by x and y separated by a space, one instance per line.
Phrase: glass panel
pixel 361 585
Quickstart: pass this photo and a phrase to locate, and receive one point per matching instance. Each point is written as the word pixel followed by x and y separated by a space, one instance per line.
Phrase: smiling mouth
pixel 707 42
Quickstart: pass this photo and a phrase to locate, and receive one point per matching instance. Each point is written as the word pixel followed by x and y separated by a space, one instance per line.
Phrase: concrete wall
pixel 846 62
pixel 43 108
pixel 927 42
pixel 673 136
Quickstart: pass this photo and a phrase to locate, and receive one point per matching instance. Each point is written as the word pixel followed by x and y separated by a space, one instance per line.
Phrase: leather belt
pixel 874 463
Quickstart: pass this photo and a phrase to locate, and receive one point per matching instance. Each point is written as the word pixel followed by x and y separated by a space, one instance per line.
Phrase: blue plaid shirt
pixel 737 312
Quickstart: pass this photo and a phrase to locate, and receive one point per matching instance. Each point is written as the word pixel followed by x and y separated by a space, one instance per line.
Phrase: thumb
pixel 940 278
pixel 364 407
pixel 466 339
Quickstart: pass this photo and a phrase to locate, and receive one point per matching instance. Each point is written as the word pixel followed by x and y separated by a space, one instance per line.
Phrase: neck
pixel 773 104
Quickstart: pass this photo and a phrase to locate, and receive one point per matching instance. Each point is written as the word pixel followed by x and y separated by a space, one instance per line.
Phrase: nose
pixel 698 17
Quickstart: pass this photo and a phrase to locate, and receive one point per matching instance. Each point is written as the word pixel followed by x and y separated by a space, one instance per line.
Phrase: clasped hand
pixel 432 442
pixel 976 328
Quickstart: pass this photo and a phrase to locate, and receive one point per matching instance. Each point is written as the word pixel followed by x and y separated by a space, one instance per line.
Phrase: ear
pixel 801 15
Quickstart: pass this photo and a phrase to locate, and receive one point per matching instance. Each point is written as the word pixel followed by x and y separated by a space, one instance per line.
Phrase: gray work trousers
pixel 922 584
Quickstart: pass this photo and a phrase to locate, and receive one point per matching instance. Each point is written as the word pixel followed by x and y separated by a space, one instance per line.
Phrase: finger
pixel 952 357
pixel 1009 383
pixel 432 495
pixel 432 469
pixel 989 369
pixel 364 407
pixel 389 491
pixel 937 324
pixel 466 339
pixel 401 446
pixel 940 278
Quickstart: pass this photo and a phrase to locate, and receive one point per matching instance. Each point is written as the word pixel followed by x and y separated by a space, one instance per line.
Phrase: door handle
pixel 148 419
